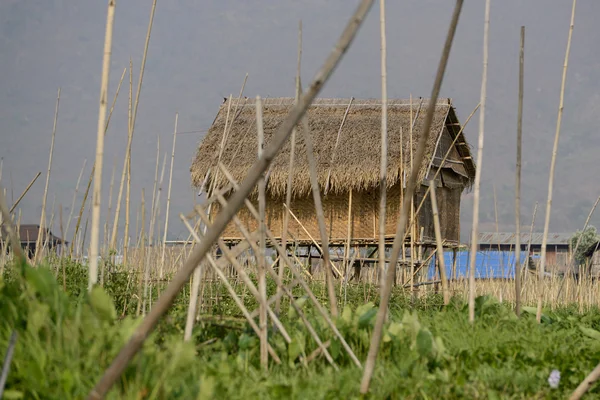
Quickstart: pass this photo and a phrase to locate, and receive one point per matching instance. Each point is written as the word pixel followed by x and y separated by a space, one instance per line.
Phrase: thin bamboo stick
pixel 92 172
pixel 162 258
pixel 518 178
pixel 38 243
pixel 475 229
pixel 552 165
pixel 110 195
pixel 115 227
pixel 262 278
pixel 235 202
pixel 12 208
pixel 401 227
pixel 440 246
pixel 383 160
pixel 128 157
pixel 288 195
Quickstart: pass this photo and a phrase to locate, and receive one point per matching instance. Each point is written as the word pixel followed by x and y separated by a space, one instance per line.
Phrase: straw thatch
pixel 357 156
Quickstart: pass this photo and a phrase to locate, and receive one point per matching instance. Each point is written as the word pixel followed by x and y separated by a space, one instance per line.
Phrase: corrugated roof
pixel 510 237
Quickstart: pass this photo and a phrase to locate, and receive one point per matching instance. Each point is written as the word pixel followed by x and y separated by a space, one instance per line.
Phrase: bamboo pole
pixel 401 227
pixel 383 160
pixel 38 243
pixel 552 165
pixel 262 278
pixel 518 178
pixel 128 158
pixel 312 164
pixel 12 208
pixel 92 172
pixel 440 246
pixel 115 227
pixel 110 195
pixel 475 229
pixel 96 197
pixel 162 258
pixel 413 231
pixel 288 194
pixel 75 196
pixel 235 202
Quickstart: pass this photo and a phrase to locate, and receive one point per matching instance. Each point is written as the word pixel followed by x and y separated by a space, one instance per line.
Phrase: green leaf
pixel 299 303
pixel 12 394
pixel 295 348
pixel 38 316
pixel 40 280
pixel 424 342
pixel 592 333
pixel 246 342
pixel 102 304
pixel 366 318
pixel 335 348
pixel 347 314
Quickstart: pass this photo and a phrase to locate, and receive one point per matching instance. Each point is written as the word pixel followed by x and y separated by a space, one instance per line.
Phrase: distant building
pixel 28 235
pixel 557 246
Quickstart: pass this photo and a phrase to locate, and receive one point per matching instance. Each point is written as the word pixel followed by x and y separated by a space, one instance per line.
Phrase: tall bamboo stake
pixel 383 160
pixel 92 172
pixel 288 195
pixel 552 164
pixel 12 208
pixel 518 178
pixel 475 230
pixel 410 190
pixel 38 243
pixel 93 268
pixel 235 202
pixel 128 158
pixel 75 196
pixel 110 195
pixel 312 164
pixel 440 246
pixel 115 227
pixel 162 258
pixel 262 278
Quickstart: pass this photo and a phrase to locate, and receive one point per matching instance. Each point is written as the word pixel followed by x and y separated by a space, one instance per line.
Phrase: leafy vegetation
pixel 588 240
pixel 67 338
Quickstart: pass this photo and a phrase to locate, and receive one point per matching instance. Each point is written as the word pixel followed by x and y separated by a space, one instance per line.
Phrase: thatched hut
pixel 346 135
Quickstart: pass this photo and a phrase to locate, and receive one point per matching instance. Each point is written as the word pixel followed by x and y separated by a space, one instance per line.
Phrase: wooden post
pixel 479 163
pixel 552 165
pixel 440 248
pixel 518 179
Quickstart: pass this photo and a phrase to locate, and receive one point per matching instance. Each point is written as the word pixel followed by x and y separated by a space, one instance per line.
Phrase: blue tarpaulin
pixel 488 264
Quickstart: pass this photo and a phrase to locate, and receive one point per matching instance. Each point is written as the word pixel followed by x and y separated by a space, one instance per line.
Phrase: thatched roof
pixel 357 156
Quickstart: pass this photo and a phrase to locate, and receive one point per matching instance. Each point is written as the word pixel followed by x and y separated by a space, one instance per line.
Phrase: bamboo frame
pixel 440 246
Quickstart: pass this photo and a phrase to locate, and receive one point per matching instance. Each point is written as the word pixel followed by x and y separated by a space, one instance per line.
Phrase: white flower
pixel 554 378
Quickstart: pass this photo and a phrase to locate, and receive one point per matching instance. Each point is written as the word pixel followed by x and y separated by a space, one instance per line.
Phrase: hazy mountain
pixel 200 52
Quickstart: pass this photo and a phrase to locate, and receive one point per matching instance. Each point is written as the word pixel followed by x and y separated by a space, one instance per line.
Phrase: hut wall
pixel 448 202
pixel 364 218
